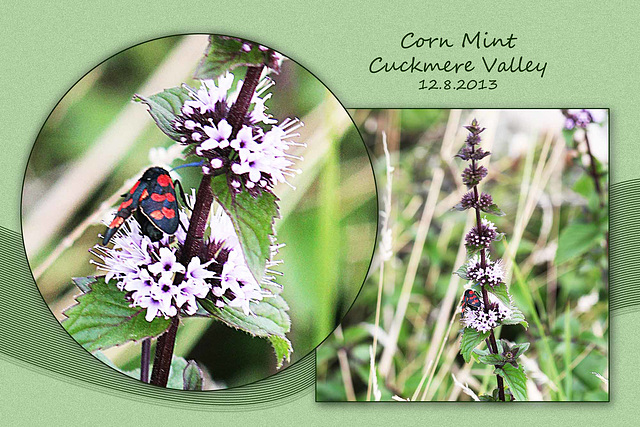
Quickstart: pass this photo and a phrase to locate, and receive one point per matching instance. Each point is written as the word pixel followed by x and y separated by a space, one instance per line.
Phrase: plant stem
pixel 198 224
pixel 145 359
pixel 592 168
pixel 164 354
pixel 493 347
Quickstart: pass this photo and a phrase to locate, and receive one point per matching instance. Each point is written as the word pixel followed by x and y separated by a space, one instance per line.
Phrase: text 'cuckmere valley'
pixel 474 41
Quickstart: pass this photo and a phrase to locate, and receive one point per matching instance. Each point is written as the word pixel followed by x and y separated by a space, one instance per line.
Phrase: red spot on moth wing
pixel 170 197
pixel 117 222
pixel 125 204
pixel 169 213
pixel 133 190
pixel 164 180
pixel 144 194
pixel 158 197
pixel 158 215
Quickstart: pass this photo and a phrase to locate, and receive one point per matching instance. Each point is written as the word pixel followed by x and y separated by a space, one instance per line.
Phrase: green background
pixel 591 52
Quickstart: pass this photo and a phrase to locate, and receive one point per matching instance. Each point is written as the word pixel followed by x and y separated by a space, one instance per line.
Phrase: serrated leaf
pixel 164 107
pixel 192 377
pixel 515 379
pixel 493 210
pixel 283 349
pixel 575 240
pixel 225 53
pixel 252 220
pixel 470 340
pixel 102 318
pixel 268 319
pixel 462 272
pixel 83 283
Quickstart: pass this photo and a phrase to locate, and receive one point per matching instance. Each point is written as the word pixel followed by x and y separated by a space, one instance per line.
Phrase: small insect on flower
pixel 153 199
pixel 471 300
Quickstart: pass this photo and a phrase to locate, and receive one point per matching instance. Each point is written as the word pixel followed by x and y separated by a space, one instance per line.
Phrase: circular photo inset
pixel 199 212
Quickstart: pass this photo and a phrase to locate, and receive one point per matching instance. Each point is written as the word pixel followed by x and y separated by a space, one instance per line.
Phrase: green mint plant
pixel 219 262
pixel 487 304
pixel 585 236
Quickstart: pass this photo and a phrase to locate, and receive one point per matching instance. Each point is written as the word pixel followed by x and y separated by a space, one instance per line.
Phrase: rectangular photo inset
pixel 490 277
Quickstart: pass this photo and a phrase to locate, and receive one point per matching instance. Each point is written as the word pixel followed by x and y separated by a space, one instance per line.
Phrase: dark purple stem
pixel 198 224
pixel 493 348
pixel 592 169
pixel 145 359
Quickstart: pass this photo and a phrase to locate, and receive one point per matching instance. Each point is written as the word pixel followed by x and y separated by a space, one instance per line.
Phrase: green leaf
pixel 520 349
pixel 493 210
pixel 495 396
pixel 252 219
pixel 515 379
pixel 470 340
pixel 102 318
pixel 491 359
pixel 576 239
pixel 268 319
pixel 226 53
pixel 585 186
pixel 283 349
pixel 192 376
pixel 487 398
pixel 500 291
pixel 165 106
pixel 83 283
pixel 480 352
pixel 517 317
pixel 462 272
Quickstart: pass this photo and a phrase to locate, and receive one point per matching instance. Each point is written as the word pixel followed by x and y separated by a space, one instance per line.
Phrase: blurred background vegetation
pixel 556 227
pixel 97 140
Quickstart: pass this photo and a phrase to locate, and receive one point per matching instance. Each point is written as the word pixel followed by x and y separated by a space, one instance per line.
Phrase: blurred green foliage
pixel 572 284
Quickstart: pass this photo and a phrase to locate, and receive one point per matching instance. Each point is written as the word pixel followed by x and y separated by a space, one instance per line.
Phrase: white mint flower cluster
pixel 256 158
pixel 483 321
pixel 147 270
pixel 493 274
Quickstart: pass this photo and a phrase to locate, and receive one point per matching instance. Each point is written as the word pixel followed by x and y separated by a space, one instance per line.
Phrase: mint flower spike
pixel 256 158
pixel 146 271
pixel 494 307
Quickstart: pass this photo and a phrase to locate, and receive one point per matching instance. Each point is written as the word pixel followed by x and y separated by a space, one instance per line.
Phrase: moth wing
pixel 126 208
pixel 159 204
